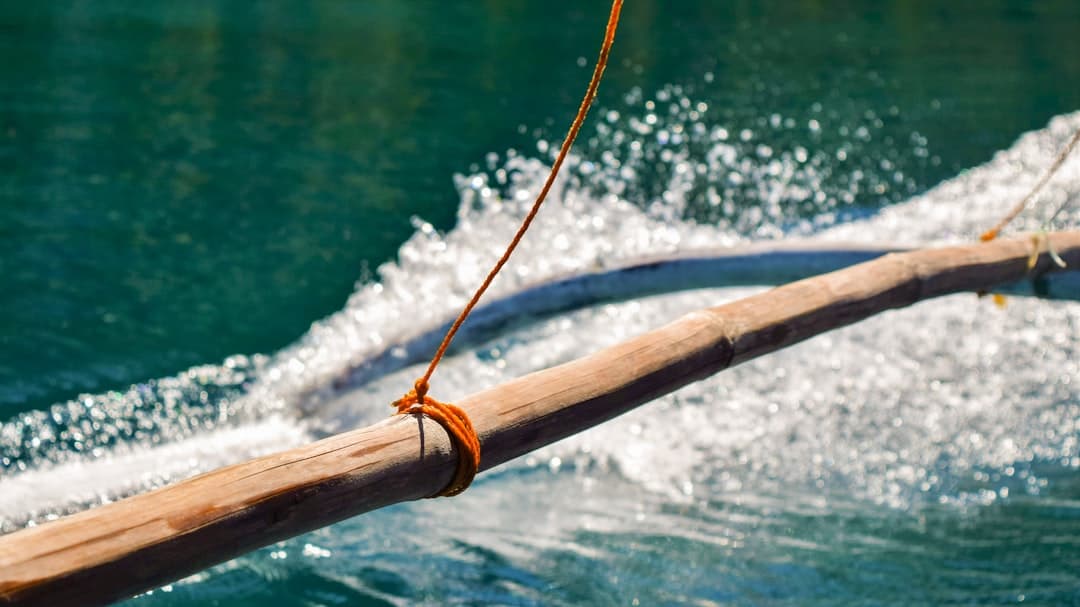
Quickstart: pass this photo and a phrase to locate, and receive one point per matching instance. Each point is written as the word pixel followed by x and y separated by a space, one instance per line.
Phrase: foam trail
pixel 760 265
pixel 949 402
pixel 591 225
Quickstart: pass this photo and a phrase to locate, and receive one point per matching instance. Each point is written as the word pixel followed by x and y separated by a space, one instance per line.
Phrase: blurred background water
pixel 186 188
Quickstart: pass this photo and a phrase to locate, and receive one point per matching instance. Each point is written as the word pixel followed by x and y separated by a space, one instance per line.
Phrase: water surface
pixel 187 189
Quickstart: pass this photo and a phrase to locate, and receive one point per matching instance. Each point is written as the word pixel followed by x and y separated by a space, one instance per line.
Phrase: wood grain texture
pixel 114 551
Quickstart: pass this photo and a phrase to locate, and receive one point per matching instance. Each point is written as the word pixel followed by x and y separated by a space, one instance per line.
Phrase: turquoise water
pixel 181 185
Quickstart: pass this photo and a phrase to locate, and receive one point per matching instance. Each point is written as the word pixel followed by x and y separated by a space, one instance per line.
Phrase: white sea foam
pixel 949 401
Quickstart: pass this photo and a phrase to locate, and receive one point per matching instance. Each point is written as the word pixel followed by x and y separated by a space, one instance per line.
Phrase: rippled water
pixel 188 182
pixel 928 455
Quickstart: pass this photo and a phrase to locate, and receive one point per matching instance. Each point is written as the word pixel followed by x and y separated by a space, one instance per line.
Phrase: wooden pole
pixel 115 551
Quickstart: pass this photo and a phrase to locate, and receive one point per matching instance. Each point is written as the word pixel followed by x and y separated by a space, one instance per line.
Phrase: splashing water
pixel 895 439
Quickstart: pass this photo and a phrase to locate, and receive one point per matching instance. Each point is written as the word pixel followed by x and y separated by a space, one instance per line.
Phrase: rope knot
pixel 456 423
pixel 413 398
pixel 420 388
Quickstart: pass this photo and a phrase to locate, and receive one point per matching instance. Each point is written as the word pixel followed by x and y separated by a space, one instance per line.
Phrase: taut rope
pixel 451 417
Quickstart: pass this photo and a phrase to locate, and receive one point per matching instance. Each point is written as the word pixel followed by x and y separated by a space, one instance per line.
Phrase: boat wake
pixel 951 402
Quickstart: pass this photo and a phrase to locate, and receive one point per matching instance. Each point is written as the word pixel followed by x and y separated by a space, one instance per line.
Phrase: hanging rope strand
pixel 993 232
pixel 590 93
pixel 453 418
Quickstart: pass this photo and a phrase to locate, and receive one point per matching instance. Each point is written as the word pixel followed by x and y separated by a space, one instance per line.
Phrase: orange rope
pixel 453 418
pixel 993 232
pixel 457 425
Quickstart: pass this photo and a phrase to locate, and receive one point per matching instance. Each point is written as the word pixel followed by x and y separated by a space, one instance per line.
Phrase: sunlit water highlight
pixel 938 444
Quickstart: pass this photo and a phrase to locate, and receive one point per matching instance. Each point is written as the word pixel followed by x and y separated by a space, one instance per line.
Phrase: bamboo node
pixel 456 423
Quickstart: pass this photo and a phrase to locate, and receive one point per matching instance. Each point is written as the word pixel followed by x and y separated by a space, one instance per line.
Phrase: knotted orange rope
pixel 457 425
pixel 451 417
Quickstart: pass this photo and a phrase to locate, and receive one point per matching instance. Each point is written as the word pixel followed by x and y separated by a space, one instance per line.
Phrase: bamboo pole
pixel 114 551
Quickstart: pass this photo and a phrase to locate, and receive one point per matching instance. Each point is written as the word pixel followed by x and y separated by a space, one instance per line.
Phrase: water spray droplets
pixel 154 412
pixel 758 176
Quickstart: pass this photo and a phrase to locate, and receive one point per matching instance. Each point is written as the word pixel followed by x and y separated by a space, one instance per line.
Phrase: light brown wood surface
pixel 114 551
